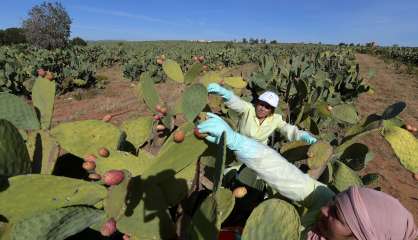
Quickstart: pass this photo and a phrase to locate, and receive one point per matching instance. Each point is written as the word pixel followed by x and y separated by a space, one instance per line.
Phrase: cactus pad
pixel 138 130
pixel 149 92
pixel 173 70
pixel 43 149
pixel 86 137
pixel 56 224
pixel 194 100
pixel 14 157
pixel 43 94
pixel 235 82
pixel 122 160
pixel 211 77
pixel 345 113
pixel 294 151
pixel 46 192
pixel 272 219
pixel 18 112
pixel 319 154
pixel 193 73
pixel 344 177
pixel 114 203
pixel 405 146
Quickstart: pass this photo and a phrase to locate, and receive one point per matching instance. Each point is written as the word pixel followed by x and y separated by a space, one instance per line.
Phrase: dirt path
pixel 389 88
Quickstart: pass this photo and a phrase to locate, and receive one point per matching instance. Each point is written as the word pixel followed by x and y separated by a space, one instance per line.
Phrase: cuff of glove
pixel 227 94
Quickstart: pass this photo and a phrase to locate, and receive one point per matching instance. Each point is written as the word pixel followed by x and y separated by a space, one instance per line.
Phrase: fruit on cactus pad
pixel 103 152
pixel 113 177
pixel 108 228
pixel 179 136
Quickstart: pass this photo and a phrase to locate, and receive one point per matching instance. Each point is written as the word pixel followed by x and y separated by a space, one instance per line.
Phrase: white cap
pixel 270 97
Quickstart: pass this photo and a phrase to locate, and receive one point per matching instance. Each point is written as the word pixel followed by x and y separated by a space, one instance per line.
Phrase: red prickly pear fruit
pixel 198 134
pixel 205 67
pixel 239 192
pixel 157 117
pixel 222 82
pixel 329 108
pixel 414 129
pixel 416 176
pixel 163 110
pixel 195 58
pixel 103 152
pixel 41 72
pixel 108 228
pixel 94 176
pixel 201 58
pixel 162 56
pixel 107 118
pixel 160 61
pixel 88 166
pixel 179 136
pixel 90 158
pixel 113 177
pixel 158 108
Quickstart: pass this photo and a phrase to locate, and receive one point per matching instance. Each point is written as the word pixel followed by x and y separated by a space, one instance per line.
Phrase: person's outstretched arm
pixel 293 133
pixel 269 165
pixel 231 100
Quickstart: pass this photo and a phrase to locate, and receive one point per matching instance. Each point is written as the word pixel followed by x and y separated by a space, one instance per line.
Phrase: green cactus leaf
pixel 194 100
pixel 405 146
pixel 86 137
pixel 149 92
pixel 356 156
pixel 193 73
pixel 146 216
pixel 122 160
pixel 138 130
pixel 279 221
pixel 176 156
pixel 57 224
pixel 14 157
pixel 46 192
pixel 235 82
pixel 43 94
pixel 248 177
pixel 393 110
pixel 114 203
pixel 294 151
pixel 345 113
pixel 344 177
pixel 18 112
pixel 173 70
pixel 322 108
pixel 319 154
pixel 43 150
pixel 211 77
pixel 207 220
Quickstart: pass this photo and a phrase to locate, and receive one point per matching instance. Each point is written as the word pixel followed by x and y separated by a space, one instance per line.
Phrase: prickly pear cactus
pixel 193 73
pixel 235 82
pixel 14 157
pixel 148 91
pixel 194 100
pixel 115 202
pixel 405 146
pixel 176 156
pixel 370 179
pixel 122 160
pixel 46 192
pixel 86 137
pixel 344 177
pixel 18 112
pixel 272 219
pixel 56 224
pixel 147 216
pixel 345 113
pixel 137 130
pixel 393 110
pixel 43 150
pixel 43 94
pixel 211 77
pixel 220 163
pixel 319 154
pixel 207 220
pixel 294 151
pixel 173 70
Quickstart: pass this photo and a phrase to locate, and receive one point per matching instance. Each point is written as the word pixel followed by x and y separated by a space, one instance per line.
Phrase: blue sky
pixel 328 21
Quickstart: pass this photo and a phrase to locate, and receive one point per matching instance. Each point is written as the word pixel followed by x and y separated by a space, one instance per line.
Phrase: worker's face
pixel 332 224
pixel 263 109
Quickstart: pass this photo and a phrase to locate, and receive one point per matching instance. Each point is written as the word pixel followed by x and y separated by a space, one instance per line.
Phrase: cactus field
pixel 99 142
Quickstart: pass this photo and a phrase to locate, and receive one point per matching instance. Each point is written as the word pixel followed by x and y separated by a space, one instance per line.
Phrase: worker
pixel 261 121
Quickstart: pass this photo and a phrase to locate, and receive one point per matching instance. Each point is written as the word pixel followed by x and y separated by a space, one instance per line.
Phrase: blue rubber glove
pixel 218 90
pixel 214 126
pixel 308 138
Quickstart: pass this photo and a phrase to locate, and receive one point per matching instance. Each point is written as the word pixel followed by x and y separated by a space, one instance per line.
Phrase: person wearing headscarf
pixel 358 213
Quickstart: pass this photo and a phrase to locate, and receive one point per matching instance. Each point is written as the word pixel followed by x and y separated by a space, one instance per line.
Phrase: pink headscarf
pixel 374 215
